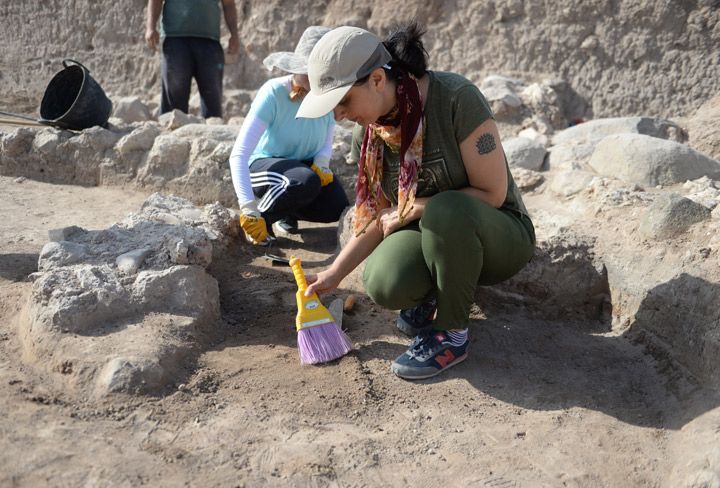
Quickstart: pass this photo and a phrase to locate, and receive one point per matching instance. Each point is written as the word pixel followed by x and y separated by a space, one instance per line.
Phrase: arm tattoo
pixel 485 143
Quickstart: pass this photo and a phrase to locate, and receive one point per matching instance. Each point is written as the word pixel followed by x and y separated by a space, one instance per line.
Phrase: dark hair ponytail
pixel 406 48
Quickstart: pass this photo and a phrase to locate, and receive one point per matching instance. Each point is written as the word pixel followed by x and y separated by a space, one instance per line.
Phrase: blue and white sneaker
pixel 428 355
pixel 416 320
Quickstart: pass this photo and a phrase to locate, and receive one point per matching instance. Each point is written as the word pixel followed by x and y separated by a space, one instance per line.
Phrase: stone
pixel 64 233
pixel 568 183
pixel 524 153
pixel 527 180
pixel 115 302
pixel 708 197
pixel 17 143
pixel 670 215
pixel 181 290
pixel 215 121
pixel 592 131
pixel 534 135
pixel 130 375
pixel 218 133
pixel 176 119
pixel 62 253
pixel 500 92
pixel 336 310
pixel 140 139
pixel 131 109
pixel 77 299
pixel 95 139
pixel 130 262
pixel 572 148
pixel 567 157
pixel 649 161
pixel 167 159
pixel 46 141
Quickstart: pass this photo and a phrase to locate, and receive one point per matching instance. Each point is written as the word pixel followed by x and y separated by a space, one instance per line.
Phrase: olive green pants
pixel 458 244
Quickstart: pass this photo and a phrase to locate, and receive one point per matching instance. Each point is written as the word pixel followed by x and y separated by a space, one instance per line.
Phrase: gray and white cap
pixel 296 62
pixel 343 56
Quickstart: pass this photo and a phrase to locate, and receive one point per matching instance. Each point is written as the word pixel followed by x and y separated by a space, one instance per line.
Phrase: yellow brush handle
pixel 311 312
pixel 297 270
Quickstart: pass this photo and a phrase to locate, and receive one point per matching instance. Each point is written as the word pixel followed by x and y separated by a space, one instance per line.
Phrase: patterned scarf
pixel 402 131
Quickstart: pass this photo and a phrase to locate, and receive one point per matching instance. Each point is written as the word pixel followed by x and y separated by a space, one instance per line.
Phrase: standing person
pixel 279 163
pixel 437 212
pixel 190 30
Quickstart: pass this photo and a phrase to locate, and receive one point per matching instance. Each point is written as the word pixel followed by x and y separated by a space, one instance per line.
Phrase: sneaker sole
pixel 458 360
pixel 285 232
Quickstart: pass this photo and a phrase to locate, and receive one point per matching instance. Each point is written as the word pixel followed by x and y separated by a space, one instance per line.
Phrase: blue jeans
pixel 185 58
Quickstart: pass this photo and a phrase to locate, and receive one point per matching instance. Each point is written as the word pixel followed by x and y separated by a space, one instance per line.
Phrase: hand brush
pixel 319 338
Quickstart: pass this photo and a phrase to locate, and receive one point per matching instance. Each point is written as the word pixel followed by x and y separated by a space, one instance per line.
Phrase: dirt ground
pixel 536 403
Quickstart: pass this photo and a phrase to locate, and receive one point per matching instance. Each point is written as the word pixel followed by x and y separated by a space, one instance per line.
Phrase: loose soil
pixel 537 403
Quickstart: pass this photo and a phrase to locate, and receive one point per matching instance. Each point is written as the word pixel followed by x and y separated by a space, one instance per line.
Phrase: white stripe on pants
pixel 277 183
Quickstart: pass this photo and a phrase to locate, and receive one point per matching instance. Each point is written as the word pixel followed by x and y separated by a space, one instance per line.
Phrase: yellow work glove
pixel 252 223
pixel 326 176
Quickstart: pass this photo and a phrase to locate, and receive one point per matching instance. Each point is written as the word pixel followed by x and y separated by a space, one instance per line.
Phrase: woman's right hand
pixel 322 282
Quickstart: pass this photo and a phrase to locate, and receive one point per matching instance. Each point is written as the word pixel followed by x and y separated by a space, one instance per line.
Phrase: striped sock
pixel 458 337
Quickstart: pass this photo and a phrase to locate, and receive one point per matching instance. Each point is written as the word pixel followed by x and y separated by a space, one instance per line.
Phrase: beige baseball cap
pixel 340 58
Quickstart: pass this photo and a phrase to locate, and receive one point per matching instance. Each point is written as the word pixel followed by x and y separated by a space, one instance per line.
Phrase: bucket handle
pixel 65 64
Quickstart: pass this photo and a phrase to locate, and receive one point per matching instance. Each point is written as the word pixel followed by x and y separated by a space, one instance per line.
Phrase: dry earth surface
pixel 538 403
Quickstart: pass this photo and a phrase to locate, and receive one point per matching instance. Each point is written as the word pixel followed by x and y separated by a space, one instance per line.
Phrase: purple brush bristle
pixel 322 343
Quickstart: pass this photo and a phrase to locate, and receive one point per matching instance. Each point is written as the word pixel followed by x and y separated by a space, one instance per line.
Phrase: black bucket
pixel 74 100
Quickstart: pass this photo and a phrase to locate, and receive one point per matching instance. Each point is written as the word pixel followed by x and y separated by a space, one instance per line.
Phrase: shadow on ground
pixel 16 267
pixel 533 363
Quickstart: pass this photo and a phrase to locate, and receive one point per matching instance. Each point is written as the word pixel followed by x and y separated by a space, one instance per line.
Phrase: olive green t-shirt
pixel 191 18
pixel 453 110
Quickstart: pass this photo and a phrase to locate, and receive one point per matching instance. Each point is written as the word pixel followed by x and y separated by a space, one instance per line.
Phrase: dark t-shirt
pixel 191 18
pixel 453 110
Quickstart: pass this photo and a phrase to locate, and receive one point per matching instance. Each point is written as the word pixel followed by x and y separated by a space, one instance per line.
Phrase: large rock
pixel 703 191
pixel 650 161
pixel 62 253
pixel 179 290
pixel 670 215
pixel 573 147
pixel 221 133
pixel 175 119
pixel 524 153
pixel 167 159
pixel 140 139
pixel 568 183
pixel 77 299
pixel 593 131
pixel 131 109
pixel 501 94
pixel 126 306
